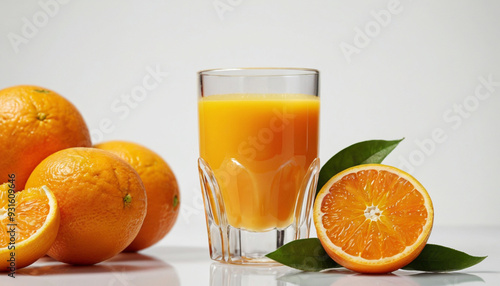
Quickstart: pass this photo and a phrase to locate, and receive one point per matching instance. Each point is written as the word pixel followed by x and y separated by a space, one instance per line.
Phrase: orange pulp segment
pixel 33 215
pixel 373 218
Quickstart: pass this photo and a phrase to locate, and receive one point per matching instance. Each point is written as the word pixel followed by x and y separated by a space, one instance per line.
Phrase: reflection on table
pixel 398 278
pixel 237 275
pixel 123 269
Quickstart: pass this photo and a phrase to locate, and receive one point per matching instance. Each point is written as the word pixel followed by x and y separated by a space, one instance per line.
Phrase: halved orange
pixel 28 232
pixel 373 218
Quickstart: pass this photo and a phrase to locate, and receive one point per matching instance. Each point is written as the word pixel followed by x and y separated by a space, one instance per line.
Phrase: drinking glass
pixel 258 162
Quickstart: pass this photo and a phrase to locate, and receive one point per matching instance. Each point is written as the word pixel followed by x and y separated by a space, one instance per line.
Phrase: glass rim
pixel 258 72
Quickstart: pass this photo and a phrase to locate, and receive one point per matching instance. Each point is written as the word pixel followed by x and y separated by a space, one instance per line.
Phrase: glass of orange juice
pixel 258 160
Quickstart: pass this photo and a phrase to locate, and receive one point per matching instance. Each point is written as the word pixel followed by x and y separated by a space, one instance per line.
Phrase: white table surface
pixel 182 265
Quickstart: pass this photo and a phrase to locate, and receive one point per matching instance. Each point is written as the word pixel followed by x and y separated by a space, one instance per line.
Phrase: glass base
pixel 247 247
pixel 232 245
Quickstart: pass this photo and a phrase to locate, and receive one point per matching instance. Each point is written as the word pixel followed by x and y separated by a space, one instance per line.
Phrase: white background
pixel 405 76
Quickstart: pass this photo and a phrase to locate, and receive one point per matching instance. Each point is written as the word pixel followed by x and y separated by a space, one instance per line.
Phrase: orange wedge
pixel 28 231
pixel 373 218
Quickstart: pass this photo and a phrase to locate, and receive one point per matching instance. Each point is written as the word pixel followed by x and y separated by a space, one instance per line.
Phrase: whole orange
pixel 34 123
pixel 161 189
pixel 101 199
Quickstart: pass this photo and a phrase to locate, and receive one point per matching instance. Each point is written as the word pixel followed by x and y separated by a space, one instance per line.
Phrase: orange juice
pixel 259 147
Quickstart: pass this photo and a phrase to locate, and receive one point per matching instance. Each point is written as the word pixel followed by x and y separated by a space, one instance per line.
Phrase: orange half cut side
pixel 34 221
pixel 373 218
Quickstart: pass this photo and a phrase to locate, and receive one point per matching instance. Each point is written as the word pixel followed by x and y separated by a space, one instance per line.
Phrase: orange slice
pixel 28 232
pixel 373 218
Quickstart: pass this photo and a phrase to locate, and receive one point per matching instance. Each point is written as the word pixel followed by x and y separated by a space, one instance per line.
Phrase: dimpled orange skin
pixel 34 123
pixel 161 188
pixel 101 199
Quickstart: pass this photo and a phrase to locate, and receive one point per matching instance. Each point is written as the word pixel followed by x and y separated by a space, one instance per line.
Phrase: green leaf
pixel 304 254
pixel 366 152
pixel 176 201
pixel 309 255
pixel 436 258
pixel 41 90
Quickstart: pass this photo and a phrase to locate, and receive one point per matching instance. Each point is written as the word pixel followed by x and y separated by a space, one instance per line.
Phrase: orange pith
pixel 373 218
